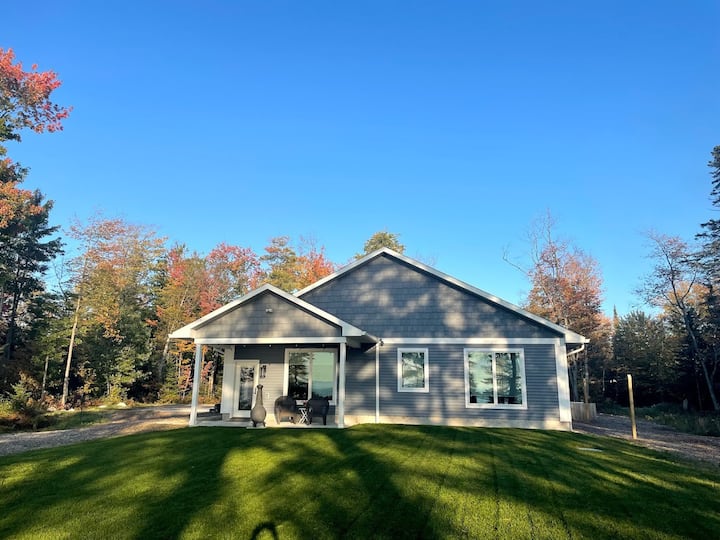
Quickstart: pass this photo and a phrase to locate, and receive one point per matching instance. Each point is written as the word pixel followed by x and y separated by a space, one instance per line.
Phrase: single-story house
pixel 389 339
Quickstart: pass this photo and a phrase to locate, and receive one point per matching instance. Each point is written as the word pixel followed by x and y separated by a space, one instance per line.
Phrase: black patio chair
pixel 318 407
pixel 285 409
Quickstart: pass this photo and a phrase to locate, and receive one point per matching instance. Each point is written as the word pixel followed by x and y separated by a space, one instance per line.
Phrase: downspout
pixel 568 355
pixel 377 380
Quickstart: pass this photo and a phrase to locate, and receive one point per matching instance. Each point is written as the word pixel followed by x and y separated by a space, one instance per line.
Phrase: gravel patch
pixel 123 422
pixel 655 436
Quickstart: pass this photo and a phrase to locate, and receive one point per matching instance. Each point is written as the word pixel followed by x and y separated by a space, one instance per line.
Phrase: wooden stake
pixel 632 407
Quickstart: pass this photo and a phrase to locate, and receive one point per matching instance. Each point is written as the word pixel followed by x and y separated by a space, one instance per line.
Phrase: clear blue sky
pixel 452 123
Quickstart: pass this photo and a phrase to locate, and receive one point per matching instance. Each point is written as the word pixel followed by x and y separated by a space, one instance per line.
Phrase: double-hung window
pixel 413 374
pixel 495 378
pixel 310 373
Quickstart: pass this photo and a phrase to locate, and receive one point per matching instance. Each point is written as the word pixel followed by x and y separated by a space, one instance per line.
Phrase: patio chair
pixel 318 407
pixel 285 409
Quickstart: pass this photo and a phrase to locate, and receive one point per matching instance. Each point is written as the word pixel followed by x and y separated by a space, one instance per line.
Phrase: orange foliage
pixel 25 99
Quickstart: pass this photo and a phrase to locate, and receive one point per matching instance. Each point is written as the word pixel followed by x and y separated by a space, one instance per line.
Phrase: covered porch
pixel 274 345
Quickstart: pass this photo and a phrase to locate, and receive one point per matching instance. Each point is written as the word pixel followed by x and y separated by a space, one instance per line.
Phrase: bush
pixel 21 410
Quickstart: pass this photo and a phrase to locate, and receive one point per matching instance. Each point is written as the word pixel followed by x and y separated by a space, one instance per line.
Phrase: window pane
pixel 480 377
pixel 323 371
pixel 509 382
pixel 246 382
pixel 413 370
pixel 298 375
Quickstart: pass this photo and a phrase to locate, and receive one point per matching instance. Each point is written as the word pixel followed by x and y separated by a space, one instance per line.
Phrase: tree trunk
pixel 163 360
pixel 42 392
pixel 66 379
pixel 711 389
pixel 698 354
pixel 572 371
pixel 10 337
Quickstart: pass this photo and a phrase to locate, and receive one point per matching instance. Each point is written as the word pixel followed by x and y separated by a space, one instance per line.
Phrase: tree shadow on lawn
pixel 603 488
pixel 362 482
pixel 434 482
pixel 139 486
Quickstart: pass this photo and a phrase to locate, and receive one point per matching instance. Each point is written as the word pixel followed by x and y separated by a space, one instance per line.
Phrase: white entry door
pixel 246 379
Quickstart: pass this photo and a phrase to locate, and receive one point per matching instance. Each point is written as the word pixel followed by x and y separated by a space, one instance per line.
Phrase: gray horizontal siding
pixel 389 298
pixel 447 387
pixel 252 320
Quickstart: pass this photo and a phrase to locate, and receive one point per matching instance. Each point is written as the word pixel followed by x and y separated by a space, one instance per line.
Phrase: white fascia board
pixel 569 335
pixel 500 341
pixel 185 332
pixel 269 341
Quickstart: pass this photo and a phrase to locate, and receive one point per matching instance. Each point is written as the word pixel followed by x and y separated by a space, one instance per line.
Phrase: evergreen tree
pixel 25 251
pixel 643 348
pixel 382 239
pixel 710 237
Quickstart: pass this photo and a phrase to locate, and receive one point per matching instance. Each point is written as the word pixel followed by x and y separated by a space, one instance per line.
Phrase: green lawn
pixel 364 482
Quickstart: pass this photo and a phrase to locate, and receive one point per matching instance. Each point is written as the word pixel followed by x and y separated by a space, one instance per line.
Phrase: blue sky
pixel 455 124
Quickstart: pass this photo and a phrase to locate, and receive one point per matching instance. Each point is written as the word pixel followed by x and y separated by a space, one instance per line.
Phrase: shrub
pixel 23 409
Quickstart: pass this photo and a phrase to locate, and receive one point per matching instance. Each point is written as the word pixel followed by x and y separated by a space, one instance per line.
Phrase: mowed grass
pixel 369 481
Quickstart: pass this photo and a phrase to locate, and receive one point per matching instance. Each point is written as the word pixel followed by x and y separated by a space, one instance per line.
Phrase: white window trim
pixel 521 358
pixel 286 372
pixel 426 369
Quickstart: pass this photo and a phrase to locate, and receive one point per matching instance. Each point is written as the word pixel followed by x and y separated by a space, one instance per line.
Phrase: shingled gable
pixel 570 336
pixel 210 330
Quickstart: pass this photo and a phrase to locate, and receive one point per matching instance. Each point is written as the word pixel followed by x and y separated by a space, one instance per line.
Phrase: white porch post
pixel 341 388
pixel 196 385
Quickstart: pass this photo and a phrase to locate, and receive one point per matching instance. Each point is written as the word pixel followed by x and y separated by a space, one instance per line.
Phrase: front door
pixel 246 379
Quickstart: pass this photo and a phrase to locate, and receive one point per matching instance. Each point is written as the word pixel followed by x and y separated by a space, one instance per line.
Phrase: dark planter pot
pixel 258 412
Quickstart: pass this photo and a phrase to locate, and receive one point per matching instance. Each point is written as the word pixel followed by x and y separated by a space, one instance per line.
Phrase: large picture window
pixel 310 373
pixel 413 370
pixel 495 378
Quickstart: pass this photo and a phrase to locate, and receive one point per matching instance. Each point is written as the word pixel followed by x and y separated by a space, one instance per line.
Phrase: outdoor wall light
pixel 263 371
pixel 268 310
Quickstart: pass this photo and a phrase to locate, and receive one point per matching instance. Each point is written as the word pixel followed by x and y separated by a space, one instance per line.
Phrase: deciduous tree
pixel 25 99
pixel 566 288
pixel 672 285
pixel 231 271
pixel 114 285
pixel 293 270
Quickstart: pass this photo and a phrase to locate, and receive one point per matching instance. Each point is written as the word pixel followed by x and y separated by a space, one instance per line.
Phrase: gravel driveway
pixel 163 417
pixel 655 436
pixel 123 422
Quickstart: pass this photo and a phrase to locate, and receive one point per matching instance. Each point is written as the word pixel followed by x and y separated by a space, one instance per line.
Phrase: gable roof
pixel 570 336
pixel 347 329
